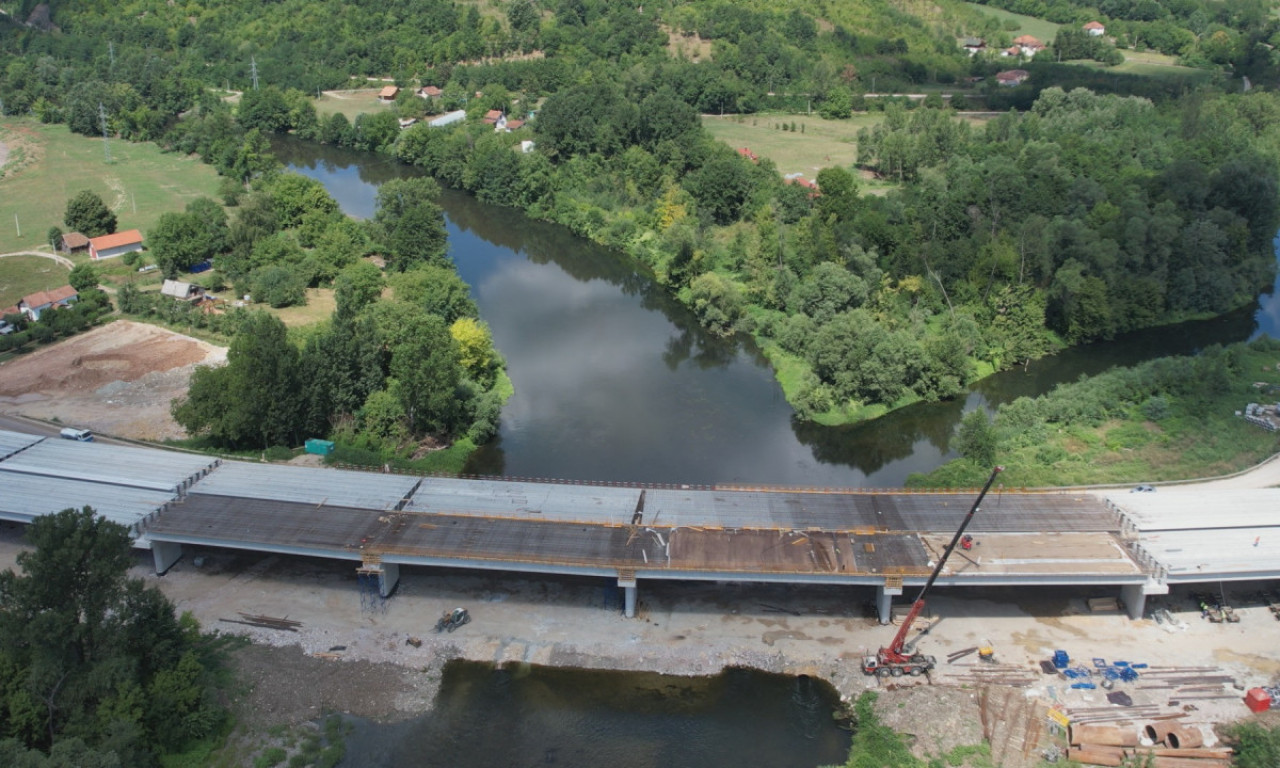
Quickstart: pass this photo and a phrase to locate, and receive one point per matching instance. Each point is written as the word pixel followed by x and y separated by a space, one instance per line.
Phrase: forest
pixel 1087 214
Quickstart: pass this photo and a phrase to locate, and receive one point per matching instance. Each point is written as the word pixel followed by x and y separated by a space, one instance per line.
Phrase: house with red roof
pixel 1012 77
pixel 110 246
pixel 388 94
pixel 40 301
pixel 1029 45
pixel 430 92
pixel 747 153
pixel 1095 29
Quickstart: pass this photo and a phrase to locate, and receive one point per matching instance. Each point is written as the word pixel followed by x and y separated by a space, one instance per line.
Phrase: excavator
pixel 898 658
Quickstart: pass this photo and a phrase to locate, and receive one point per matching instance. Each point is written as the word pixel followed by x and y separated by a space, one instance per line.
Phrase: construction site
pixel 1160 603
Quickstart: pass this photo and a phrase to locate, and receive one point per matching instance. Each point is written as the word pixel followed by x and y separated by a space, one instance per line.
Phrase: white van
pixel 83 435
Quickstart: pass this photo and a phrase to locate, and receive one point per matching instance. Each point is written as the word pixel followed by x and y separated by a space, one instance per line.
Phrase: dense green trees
pixel 94 664
pixel 409 223
pixel 252 401
pixel 88 215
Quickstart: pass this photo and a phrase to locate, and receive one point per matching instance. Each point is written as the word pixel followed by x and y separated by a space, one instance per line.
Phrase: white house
pixel 38 302
pixel 1029 45
pixel 1095 29
pixel 110 246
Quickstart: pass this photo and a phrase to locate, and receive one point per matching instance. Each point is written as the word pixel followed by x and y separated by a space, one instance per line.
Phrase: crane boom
pixel 895 652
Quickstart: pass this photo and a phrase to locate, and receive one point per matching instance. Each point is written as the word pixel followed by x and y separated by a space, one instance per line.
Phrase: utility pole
pixel 17 225
pixel 102 118
pixel 253 68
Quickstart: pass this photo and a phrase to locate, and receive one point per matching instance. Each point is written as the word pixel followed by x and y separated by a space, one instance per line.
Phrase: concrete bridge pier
pixel 884 601
pixel 627 581
pixel 165 554
pixel 1135 596
pixel 388 575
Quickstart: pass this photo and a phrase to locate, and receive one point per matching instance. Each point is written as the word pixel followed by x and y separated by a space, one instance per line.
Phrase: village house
pixel 799 180
pixel 388 94
pixel 430 92
pixel 973 45
pixel 73 242
pixel 405 122
pixel 1095 29
pixel 38 302
pixel 493 116
pixel 1029 45
pixel 111 246
pixel 1012 77
pixel 747 153
pixel 181 291
pixel 1012 50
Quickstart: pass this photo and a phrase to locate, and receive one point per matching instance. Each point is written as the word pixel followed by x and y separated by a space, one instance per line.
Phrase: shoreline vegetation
pixel 1172 418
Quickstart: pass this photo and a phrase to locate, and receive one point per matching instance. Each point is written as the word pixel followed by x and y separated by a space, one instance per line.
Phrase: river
pixel 615 381
pixel 526 715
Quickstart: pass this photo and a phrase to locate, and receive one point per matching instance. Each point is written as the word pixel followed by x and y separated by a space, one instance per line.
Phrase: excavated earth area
pixel 117 379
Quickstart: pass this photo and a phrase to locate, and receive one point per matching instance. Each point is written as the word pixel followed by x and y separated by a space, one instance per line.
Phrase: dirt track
pixel 117 379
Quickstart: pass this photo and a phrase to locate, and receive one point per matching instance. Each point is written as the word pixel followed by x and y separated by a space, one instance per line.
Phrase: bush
pixel 271 757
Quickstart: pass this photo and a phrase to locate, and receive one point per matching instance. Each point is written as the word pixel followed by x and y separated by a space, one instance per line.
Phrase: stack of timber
pixel 265 622
pixel 1176 746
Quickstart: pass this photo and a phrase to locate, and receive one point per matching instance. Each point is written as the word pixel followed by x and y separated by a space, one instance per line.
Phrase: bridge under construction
pixel 1131 543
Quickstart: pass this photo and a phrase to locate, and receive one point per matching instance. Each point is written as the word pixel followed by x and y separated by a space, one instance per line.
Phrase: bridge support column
pixel 1135 600
pixel 1135 596
pixel 388 576
pixel 884 601
pixel 165 554
pixel 627 581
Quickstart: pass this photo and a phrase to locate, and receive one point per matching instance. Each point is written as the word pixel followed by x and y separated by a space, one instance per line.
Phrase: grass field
pixel 48 164
pixel 823 144
pixel 320 306
pixel 1042 30
pixel 23 275
pixel 350 103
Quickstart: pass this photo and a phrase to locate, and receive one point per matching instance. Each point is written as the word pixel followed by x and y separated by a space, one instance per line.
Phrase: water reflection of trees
pixel 872 445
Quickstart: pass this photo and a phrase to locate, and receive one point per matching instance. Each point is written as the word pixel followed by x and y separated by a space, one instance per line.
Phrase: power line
pixel 102 118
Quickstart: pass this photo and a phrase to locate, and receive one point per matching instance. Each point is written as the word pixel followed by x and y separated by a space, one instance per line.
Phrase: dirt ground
pixel 117 379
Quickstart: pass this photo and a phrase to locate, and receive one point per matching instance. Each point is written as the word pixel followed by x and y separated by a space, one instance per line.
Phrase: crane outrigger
pixel 897 659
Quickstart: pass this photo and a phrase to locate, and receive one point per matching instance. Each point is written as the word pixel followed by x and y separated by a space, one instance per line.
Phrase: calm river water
pixel 616 381
pixel 571 718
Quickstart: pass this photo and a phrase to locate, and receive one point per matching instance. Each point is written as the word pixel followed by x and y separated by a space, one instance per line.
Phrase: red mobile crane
pixel 897 659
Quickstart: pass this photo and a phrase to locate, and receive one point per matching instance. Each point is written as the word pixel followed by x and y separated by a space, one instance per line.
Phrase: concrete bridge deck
pixel 885 539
